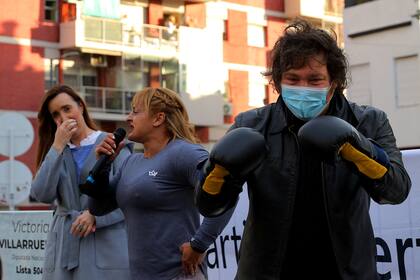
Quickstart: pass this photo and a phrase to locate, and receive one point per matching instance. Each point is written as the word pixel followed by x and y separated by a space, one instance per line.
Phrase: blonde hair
pixel 155 100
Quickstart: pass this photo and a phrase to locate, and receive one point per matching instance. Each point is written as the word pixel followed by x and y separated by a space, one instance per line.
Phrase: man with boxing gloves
pixel 231 160
pixel 327 157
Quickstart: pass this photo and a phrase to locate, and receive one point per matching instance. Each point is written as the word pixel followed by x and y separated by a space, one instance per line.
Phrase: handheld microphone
pixel 119 135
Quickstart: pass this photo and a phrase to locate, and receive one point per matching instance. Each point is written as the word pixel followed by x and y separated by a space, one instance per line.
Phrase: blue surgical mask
pixel 305 102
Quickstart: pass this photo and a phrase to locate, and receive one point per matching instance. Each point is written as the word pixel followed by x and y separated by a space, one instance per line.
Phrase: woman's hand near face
pixel 63 134
pixel 190 259
pixel 84 224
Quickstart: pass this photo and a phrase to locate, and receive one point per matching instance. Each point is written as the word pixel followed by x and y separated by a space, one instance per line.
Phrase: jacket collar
pixel 341 108
pixel 278 120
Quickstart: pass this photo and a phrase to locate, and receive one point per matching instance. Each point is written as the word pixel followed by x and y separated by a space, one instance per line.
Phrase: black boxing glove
pixel 329 136
pixel 231 160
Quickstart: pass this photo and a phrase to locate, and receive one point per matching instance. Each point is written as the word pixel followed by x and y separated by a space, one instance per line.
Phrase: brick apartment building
pixel 212 52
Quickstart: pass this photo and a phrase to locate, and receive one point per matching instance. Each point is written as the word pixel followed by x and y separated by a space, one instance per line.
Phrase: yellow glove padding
pixel 364 164
pixel 215 180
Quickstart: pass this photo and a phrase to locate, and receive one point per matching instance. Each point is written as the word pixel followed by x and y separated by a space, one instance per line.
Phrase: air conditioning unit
pixel 97 60
pixel 228 109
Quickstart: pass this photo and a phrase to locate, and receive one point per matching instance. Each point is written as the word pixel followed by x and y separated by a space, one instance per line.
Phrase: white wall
pixel 376 14
pixel 201 56
pixel 381 52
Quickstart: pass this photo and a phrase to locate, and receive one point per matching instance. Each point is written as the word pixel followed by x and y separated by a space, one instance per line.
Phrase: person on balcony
pixel 79 245
pixel 169 32
pixel 155 190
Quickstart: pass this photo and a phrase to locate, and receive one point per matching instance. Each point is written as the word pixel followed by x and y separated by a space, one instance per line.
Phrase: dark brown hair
pixel 302 41
pixel 46 124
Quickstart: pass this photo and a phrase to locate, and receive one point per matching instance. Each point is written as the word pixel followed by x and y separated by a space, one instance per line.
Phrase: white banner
pixel 23 237
pixel 397 231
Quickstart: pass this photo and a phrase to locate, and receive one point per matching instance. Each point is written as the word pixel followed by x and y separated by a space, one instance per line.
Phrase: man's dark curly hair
pixel 302 41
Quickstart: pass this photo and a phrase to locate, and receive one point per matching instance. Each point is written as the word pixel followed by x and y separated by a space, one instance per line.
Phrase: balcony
pixel 114 104
pixel 107 103
pixel 112 37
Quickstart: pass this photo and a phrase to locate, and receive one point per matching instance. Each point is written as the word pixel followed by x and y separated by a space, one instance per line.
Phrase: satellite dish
pixel 16 134
pixel 21 182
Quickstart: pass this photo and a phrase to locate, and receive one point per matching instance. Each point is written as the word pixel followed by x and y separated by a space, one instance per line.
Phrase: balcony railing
pixel 108 31
pixel 107 100
pixel 103 30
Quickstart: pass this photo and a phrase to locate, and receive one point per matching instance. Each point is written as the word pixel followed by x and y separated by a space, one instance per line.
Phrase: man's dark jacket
pixel 272 190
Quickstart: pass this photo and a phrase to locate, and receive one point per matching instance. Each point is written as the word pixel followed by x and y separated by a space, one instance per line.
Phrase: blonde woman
pixel 79 245
pixel 155 191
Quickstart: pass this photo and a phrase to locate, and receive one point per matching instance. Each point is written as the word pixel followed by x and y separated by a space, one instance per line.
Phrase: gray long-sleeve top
pixel 156 196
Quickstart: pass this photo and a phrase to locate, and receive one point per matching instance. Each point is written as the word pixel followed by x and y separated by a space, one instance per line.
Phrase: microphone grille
pixel 119 134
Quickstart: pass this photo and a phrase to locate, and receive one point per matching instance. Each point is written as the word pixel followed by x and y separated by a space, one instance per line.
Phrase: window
pixel 89 81
pixel 71 80
pixel 78 71
pixel 50 73
pixel 225 30
pixel 50 10
pixel 407 82
pixel 68 12
pixel 256 89
pixel 256 36
pixel 256 94
pixel 169 72
pixel 359 90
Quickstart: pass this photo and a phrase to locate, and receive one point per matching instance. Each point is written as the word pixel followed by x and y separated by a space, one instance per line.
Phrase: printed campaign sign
pixel 397 229
pixel 23 238
pixel 223 255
